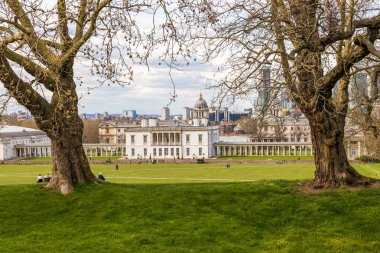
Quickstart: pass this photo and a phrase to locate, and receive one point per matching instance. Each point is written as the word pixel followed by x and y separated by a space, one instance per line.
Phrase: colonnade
pixel 104 151
pixel 33 151
pixel 91 150
pixel 166 139
pixel 262 149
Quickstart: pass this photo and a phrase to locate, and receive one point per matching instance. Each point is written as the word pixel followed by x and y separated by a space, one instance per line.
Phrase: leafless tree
pixel 39 43
pixel 248 125
pixel 314 45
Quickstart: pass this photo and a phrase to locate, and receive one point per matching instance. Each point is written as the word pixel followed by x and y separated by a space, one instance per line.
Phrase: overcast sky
pixel 151 91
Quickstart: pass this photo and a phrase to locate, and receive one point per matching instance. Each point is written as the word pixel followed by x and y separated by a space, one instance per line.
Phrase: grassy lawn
pixel 265 216
pixel 181 173
pixel 187 208
pixel 264 157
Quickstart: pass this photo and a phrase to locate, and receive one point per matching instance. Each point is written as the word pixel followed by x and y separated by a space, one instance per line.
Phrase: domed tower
pixel 200 111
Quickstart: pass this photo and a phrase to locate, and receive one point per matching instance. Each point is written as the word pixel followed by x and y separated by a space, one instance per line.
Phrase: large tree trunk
pixel 65 129
pixel 70 164
pixel 332 166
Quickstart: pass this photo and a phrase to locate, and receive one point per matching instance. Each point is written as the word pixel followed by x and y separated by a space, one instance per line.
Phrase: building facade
pixel 171 142
pixel 113 132
pixel 21 141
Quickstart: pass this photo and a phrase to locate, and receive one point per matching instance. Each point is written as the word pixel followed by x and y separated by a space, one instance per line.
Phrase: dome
pixel 200 104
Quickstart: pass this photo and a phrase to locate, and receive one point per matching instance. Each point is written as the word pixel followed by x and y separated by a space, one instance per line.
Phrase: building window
pixel 177 152
pixel 118 130
pixel 125 130
pixel 200 152
pixel 172 151
pixel 160 152
pixel 133 152
pixel 145 139
pixel 145 151
pixel 305 139
pixel 187 151
pixel 107 131
pixel 132 139
pixel 154 152
pixel 200 137
pixel 187 138
pixel 166 151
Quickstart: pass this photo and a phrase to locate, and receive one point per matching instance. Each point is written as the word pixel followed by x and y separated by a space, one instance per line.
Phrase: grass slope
pixel 266 216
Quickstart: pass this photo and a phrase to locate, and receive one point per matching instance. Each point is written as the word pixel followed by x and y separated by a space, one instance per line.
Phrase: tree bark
pixel 70 164
pixel 65 129
pixel 332 166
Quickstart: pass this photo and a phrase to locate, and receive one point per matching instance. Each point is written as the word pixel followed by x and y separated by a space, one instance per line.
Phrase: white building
pixel 160 142
pixel 32 139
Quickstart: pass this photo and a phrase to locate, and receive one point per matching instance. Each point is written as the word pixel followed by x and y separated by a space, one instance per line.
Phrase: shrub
pixel 200 161
pixel 368 159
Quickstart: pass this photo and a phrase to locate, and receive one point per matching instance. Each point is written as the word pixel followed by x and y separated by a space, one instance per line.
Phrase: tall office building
pixel 165 113
pixel 186 113
pixel 263 101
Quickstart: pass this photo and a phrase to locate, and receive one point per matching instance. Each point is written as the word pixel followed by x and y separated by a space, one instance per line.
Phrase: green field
pixel 181 173
pixel 187 208
pixel 258 157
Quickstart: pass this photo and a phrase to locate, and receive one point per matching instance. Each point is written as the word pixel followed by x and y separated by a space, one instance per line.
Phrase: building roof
pixel 200 104
pixel 118 123
pixel 16 131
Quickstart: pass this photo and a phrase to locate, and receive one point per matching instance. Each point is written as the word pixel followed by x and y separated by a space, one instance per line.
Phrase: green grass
pixel 187 208
pixel 265 157
pixel 181 173
pixel 266 216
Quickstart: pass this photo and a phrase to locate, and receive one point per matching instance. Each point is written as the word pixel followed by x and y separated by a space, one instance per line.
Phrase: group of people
pixel 45 179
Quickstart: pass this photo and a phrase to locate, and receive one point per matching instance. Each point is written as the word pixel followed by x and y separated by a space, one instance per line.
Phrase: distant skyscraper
pixel 129 114
pixel 165 113
pixel 263 100
pixel 186 113
pixel 98 116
